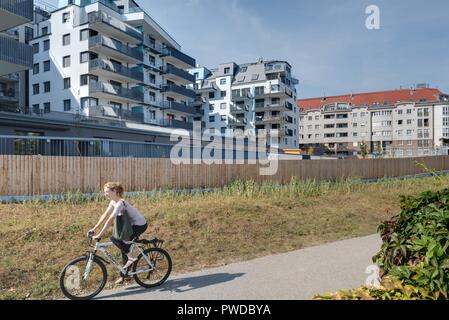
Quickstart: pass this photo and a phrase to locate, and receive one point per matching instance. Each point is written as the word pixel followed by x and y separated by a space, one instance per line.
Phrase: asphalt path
pixel 297 275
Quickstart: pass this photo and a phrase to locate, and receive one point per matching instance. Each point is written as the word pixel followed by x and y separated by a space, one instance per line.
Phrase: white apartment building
pixel 408 122
pixel 252 96
pixel 110 59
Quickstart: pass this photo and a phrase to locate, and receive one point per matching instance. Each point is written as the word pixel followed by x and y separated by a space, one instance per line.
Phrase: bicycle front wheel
pixel 77 284
pixel 153 274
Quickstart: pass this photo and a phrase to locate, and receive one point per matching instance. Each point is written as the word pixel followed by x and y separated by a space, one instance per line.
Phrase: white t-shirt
pixel 137 219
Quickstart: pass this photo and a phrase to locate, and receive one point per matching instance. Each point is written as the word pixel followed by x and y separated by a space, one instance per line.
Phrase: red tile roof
pixel 371 98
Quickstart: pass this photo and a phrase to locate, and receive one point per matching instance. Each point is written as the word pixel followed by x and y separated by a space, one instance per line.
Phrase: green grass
pixel 201 228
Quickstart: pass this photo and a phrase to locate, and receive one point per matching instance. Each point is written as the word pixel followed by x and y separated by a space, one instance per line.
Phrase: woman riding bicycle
pixel 118 207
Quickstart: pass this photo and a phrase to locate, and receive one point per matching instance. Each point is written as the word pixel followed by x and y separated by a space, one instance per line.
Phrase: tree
pixel 364 149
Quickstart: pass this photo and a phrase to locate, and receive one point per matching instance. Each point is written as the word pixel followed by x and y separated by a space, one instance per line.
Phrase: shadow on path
pixel 178 285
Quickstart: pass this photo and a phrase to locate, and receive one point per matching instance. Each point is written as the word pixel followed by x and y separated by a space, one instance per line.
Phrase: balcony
pixel 101 67
pixel 239 108
pixel 273 106
pixel 105 24
pixel 269 119
pixel 154 47
pixel 15 12
pixel 178 107
pixel 208 86
pixel 241 97
pixel 14 56
pixel 176 57
pixel 179 91
pixel 175 124
pixel 105 90
pixel 115 49
pixel 178 75
pixel 237 121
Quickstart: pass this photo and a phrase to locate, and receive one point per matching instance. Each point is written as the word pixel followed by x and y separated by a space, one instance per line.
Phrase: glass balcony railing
pixel 106 65
pixel 172 52
pixel 100 40
pixel 179 90
pixel 179 73
pixel 135 94
pixel 176 106
pixel 102 17
pixel 16 53
pixel 175 124
pixel 23 8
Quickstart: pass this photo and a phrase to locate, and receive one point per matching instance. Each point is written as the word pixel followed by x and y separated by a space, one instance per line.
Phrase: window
pixel 211 95
pixel 47 107
pixel 227 70
pixel 66 62
pixel 84 34
pixel 36 68
pixel 445 121
pixel 212 119
pixel 66 39
pixel 399 111
pixel 46 45
pixel 409 121
pixel 44 31
pixel 222 81
pixel 409 132
pixel 36 48
pixel 420 112
pixel 66 83
pixel 400 122
pixel 65 17
pixel 222 106
pixel 47 86
pixel 254 77
pixel 354 115
pixel 223 94
pixel 36 88
pixel 152 60
pixel 409 111
pixel 46 65
pixel 67 105
pixel 211 107
pixel 420 123
pixel 223 118
pixel 244 69
pixel 197 75
pixel 84 79
pixel 84 56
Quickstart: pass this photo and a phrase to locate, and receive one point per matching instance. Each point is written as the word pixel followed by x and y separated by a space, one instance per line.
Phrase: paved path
pixel 295 275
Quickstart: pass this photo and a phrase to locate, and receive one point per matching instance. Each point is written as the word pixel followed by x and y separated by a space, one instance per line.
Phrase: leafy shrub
pixel 414 256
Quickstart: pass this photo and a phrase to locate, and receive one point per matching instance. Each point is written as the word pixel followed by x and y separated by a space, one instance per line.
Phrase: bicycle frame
pixel 101 247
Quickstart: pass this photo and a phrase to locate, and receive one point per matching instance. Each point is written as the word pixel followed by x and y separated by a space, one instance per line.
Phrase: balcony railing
pixel 172 52
pixel 15 52
pixel 176 106
pixel 102 17
pixel 179 73
pixel 100 40
pixel 106 65
pixel 133 94
pixel 23 8
pixel 179 90
pixel 176 124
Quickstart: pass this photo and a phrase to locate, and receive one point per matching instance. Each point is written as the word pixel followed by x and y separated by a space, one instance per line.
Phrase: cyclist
pixel 114 192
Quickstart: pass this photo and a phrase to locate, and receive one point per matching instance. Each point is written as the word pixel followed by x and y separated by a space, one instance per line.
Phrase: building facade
pixel 15 53
pixel 408 122
pixel 252 96
pixel 109 59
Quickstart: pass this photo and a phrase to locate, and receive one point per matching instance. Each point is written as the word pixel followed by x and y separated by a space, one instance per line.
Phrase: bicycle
pixel 85 277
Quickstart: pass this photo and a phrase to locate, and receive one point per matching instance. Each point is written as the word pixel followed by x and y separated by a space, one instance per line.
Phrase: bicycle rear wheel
pixel 161 261
pixel 73 284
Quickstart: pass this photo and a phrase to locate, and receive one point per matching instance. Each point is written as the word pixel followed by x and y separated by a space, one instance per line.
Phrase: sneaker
pixel 129 263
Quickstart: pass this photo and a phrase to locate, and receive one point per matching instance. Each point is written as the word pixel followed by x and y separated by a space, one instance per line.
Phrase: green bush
pixel 414 256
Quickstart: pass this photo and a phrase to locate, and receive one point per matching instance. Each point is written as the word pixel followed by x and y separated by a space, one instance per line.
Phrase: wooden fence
pixel 41 175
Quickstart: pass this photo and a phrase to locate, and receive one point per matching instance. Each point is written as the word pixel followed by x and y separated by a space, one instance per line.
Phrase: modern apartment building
pixel 109 59
pixel 406 122
pixel 249 96
pixel 15 55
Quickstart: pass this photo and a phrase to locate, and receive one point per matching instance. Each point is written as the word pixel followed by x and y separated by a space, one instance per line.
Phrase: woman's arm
pixel 109 210
pixel 106 226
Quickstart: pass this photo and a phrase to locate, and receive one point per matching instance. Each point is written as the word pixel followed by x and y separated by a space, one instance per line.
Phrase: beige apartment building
pixel 406 122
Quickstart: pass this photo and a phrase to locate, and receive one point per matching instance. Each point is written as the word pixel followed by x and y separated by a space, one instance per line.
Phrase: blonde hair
pixel 115 186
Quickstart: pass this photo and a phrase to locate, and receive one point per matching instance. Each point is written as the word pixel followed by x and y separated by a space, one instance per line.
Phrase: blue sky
pixel 326 41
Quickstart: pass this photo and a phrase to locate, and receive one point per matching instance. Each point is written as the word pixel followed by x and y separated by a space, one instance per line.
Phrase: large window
pixel 67 83
pixel 66 39
pixel 66 61
pixel 84 34
pixel 47 86
pixel 84 56
pixel 46 45
pixel 67 105
pixel 46 65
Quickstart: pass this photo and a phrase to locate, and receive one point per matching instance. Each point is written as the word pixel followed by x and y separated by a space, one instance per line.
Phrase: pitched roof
pixel 372 98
